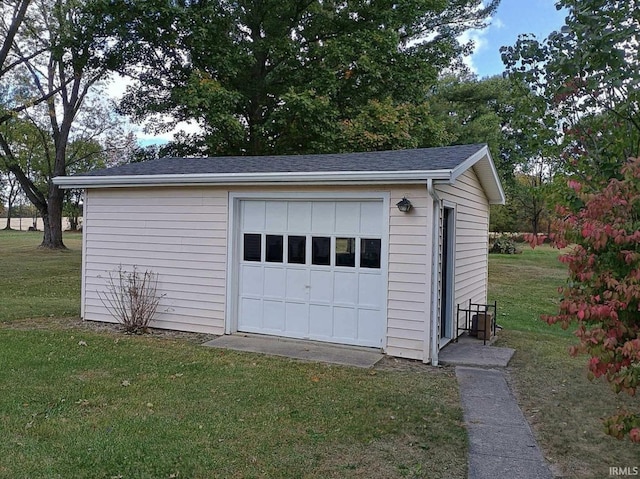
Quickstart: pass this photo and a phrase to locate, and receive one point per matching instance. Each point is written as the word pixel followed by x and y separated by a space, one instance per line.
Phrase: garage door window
pixel 252 247
pixel 321 250
pixel 274 246
pixel 297 251
pixel 346 252
pixel 370 253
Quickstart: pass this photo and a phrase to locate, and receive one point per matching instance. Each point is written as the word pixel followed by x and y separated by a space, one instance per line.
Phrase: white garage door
pixel 313 270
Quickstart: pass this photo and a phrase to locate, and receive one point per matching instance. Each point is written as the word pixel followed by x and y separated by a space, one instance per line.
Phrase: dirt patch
pixel 389 363
pixel 100 327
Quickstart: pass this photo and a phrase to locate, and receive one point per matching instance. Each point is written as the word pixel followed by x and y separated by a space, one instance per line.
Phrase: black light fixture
pixel 404 205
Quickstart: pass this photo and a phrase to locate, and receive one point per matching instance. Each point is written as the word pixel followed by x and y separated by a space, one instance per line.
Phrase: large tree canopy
pixel 585 79
pixel 52 55
pixel 588 74
pixel 284 76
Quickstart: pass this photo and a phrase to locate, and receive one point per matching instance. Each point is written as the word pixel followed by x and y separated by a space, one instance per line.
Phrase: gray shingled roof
pixel 423 159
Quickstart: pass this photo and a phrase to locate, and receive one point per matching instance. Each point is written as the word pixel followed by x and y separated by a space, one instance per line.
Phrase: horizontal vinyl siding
pixel 472 236
pixel 178 233
pixel 409 272
pixel 181 234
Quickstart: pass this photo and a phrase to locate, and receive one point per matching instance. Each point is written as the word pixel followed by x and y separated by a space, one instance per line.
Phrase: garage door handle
pixel 307 286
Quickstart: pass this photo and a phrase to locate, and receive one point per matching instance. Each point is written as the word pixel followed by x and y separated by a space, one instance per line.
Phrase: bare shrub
pixel 132 298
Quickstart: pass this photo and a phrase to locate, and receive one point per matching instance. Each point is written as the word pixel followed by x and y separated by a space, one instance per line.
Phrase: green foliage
pixel 602 296
pixel 504 113
pixel 306 123
pixel 586 78
pixel 284 76
pixel 382 125
pixel 475 111
pixel 530 192
pixel 504 245
pixel 503 218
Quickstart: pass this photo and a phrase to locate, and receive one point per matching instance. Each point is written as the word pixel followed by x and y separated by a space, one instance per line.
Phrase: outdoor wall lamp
pixel 404 205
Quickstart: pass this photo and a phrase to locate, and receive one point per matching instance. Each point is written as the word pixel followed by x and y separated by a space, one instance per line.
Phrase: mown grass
pixel 564 407
pixel 525 286
pixel 37 283
pixel 77 403
pixel 80 403
pixel 123 406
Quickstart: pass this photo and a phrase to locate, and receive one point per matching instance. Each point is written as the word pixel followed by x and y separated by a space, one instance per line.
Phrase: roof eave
pixel 490 182
pixel 240 179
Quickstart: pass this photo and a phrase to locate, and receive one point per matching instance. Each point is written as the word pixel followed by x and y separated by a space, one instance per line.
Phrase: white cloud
pixel 497 23
pixel 116 86
pixel 480 40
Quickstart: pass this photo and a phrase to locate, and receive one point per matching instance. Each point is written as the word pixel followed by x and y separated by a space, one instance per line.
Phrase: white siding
pixel 472 238
pixel 178 233
pixel 409 274
pixel 181 233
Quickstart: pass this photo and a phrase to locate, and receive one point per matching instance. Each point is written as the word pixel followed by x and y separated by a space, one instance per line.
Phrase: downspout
pixel 435 271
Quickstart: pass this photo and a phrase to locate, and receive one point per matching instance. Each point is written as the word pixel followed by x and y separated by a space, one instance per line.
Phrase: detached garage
pixel 368 249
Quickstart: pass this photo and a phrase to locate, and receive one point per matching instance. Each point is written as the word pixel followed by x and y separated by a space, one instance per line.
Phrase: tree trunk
pixel 8 226
pixel 254 146
pixel 52 219
pixel 55 198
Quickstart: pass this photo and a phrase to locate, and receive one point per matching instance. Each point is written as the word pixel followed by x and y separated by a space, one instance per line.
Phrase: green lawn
pixel 563 406
pixel 79 403
pixel 525 286
pixel 38 283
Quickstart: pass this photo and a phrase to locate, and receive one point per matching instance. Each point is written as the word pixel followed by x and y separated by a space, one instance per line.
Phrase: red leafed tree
pixel 602 295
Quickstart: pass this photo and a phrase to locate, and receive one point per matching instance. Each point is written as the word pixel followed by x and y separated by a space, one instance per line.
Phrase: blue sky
pixel 513 18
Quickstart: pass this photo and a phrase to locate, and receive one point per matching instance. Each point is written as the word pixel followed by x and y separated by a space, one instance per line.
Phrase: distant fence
pixel 24 223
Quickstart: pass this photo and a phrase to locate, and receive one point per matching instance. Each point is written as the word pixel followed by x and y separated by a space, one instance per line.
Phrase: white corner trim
pixel 231 306
pixel 83 274
pixel 435 273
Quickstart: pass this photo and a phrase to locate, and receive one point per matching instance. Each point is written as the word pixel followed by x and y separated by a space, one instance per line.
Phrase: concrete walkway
pixel 468 351
pixel 501 443
pixel 299 349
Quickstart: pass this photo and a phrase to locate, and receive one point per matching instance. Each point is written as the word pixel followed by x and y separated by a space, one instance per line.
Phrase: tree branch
pixel 28 186
pixel 18 17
